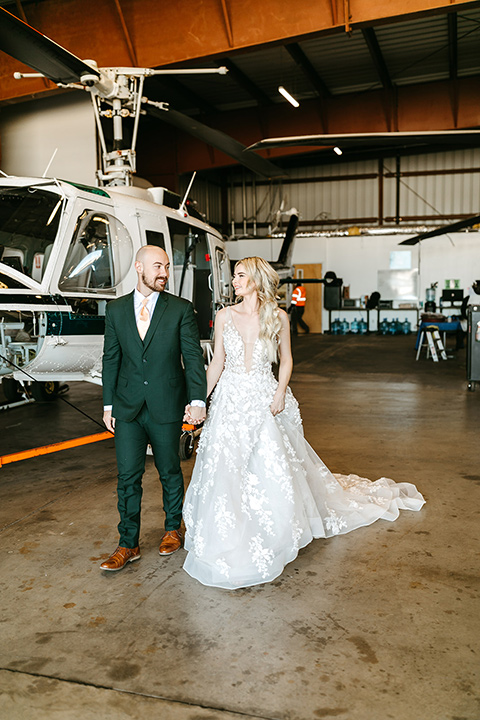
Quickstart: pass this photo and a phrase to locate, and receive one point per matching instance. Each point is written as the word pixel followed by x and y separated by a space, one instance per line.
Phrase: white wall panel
pixel 357 260
pixel 31 131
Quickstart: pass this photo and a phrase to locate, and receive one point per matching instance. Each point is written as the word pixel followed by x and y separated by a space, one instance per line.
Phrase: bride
pixel 259 492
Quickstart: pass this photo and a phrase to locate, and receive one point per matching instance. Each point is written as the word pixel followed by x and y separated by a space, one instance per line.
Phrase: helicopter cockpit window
pixel 99 256
pixel 155 238
pixel 29 219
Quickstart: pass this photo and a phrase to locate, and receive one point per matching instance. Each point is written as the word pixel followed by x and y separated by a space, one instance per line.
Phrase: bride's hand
pixel 278 404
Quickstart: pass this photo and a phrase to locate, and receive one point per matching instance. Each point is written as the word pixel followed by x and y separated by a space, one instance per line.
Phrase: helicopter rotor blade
pixel 286 251
pixel 374 140
pixel 453 227
pixel 30 47
pixel 218 140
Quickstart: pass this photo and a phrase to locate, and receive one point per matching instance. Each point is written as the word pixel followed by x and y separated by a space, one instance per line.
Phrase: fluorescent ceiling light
pixel 287 96
pixel 337 150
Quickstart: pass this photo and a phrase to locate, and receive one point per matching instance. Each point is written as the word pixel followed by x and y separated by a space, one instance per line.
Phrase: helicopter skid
pixel 10 405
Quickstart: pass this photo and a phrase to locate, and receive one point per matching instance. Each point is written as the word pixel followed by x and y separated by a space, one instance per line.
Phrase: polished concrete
pixel 382 623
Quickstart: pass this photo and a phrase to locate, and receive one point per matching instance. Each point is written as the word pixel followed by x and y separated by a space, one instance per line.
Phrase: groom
pixel 148 334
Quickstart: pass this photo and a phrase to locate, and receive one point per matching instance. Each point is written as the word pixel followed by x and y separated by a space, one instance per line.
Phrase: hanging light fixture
pixel 287 96
pixel 337 150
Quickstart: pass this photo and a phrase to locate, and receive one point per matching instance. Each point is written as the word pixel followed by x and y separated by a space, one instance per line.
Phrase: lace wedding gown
pixel 259 492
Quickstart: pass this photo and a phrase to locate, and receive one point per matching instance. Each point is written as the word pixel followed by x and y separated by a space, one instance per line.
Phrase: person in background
pixel 297 308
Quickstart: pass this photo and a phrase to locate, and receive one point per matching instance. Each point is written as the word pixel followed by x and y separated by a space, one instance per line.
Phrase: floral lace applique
pixel 262 557
pixel 223 567
pixel 334 522
pixel 198 539
pixel 297 533
pixel 224 518
pixel 254 499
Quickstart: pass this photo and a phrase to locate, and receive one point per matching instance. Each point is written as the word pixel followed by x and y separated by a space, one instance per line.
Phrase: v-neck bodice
pixel 242 356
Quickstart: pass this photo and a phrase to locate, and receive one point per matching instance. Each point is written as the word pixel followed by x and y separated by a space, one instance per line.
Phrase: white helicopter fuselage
pixel 68 249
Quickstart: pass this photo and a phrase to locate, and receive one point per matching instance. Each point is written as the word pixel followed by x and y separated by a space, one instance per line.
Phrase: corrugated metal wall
pixel 430 188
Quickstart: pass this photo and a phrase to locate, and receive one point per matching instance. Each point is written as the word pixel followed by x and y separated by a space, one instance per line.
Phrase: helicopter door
pixel 192 271
pixel 222 275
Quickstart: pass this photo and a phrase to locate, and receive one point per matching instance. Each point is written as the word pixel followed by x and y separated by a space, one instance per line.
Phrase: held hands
pixel 194 415
pixel 109 421
pixel 278 403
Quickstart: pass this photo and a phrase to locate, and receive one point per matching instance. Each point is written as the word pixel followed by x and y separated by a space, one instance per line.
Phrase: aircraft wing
pixel 389 140
pixel 30 47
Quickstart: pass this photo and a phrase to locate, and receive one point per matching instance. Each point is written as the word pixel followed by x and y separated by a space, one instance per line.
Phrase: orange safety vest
pixel 299 296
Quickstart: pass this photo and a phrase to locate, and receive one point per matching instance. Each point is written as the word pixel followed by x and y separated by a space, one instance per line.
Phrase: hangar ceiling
pixel 371 73
pixel 440 47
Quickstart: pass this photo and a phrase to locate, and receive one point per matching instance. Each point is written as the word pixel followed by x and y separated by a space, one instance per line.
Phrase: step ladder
pixel 434 344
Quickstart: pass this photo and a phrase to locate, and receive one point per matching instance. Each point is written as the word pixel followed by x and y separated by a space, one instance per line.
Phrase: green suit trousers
pixel 131 440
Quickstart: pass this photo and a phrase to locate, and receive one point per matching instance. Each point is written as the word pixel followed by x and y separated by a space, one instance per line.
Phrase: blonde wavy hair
pixel 265 280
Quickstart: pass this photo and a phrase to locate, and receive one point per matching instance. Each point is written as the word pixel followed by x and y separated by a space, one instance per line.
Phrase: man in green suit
pixel 148 334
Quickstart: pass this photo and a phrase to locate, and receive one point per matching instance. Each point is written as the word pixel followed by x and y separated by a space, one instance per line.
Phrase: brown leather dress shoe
pixel 120 558
pixel 171 541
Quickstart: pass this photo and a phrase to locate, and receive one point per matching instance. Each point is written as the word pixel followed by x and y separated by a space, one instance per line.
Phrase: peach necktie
pixel 143 319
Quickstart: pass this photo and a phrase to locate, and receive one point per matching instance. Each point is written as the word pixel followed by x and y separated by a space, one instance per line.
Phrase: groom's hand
pixel 195 415
pixel 109 421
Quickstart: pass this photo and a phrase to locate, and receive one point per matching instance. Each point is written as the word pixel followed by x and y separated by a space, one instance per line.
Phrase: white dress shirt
pixel 138 299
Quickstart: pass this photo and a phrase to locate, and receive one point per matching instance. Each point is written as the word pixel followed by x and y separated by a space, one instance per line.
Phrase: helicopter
pixel 67 248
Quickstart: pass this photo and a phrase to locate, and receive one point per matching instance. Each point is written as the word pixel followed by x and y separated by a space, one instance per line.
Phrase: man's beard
pixel 151 284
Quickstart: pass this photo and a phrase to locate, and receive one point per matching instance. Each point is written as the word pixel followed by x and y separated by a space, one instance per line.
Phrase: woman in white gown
pixel 259 492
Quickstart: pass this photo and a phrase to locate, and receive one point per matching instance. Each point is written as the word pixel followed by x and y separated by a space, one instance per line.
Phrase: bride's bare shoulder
pixel 221 316
pixel 283 317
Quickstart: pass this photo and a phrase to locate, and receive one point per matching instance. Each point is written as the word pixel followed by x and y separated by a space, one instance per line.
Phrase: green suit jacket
pixel 151 371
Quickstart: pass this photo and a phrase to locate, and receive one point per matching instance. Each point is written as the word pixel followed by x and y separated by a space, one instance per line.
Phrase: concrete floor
pixel 382 623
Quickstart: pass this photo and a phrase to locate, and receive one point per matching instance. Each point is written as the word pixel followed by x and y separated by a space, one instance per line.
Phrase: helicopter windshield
pixel 100 254
pixel 29 219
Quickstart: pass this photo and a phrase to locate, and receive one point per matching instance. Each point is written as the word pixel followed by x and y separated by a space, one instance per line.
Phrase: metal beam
pixel 168 33
pixel 245 82
pixel 376 54
pixel 378 60
pixel 313 77
pixel 453 62
pixel 20 11
pixel 452 45
pixel 228 25
pixel 126 34
pixel 296 52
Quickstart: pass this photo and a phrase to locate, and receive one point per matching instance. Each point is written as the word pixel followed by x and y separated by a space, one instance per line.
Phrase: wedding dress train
pixel 259 492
